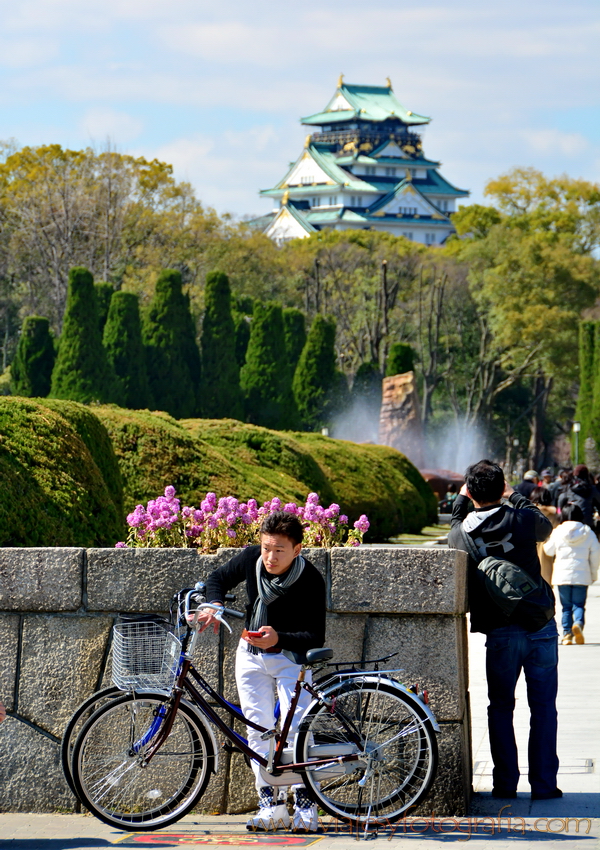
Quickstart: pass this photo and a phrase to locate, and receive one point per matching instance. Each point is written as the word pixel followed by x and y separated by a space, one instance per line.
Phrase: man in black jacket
pixel 509 530
pixel 286 608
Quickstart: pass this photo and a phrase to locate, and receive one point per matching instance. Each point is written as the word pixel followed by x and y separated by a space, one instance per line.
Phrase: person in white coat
pixel 576 554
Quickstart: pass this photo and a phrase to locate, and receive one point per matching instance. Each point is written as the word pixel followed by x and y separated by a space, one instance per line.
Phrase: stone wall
pixel 57 607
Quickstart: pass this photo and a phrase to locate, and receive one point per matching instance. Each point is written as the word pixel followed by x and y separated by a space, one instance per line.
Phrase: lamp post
pixel 576 430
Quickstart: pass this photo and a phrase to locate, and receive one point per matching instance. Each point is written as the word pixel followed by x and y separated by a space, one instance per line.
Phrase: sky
pixel 218 88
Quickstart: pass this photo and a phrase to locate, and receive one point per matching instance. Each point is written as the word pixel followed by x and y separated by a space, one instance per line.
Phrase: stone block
pixel 345 635
pixel 241 792
pixel 31 777
pixel 319 557
pixel 41 579
pixel 143 580
pixel 432 653
pixel 9 641
pixel 60 664
pixel 450 793
pixel 400 580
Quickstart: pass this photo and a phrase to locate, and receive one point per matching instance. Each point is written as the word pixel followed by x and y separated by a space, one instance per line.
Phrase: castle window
pixel 371 170
pixel 359 202
pixel 408 235
pixel 307 179
pixel 430 238
pixel 390 172
pixel 352 201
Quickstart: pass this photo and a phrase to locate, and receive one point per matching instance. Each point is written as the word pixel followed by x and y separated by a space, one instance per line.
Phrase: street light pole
pixel 576 430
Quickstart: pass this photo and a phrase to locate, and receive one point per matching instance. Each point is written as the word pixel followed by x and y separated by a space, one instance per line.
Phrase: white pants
pixel 256 678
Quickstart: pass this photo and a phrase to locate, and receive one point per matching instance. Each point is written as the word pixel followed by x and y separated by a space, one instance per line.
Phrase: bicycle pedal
pixel 266 736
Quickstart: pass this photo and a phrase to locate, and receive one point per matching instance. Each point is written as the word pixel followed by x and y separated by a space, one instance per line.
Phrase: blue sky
pixel 217 88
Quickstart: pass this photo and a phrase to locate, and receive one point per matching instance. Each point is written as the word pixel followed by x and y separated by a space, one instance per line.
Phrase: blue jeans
pixel 572 599
pixel 509 650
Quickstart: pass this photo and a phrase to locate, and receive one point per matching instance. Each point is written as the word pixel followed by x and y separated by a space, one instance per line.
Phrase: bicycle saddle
pixel 313 656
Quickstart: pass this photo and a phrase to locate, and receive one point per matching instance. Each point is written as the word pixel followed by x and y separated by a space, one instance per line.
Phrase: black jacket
pixel 509 531
pixel 298 616
pixel 584 494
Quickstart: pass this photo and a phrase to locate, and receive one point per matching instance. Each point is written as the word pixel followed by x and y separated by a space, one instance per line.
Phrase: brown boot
pixel 577 630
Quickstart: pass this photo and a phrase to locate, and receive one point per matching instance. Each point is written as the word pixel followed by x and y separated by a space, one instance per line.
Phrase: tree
pixel 124 348
pixel 587 378
pixel 172 355
pixel 265 377
pixel 81 372
pixel 31 369
pixel 295 335
pixel 241 323
pixel 317 380
pixel 401 359
pixel 221 394
pixel 367 384
pixel 104 292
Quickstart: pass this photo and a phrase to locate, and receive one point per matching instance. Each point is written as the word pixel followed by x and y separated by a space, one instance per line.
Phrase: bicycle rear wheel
pixel 394 744
pixel 75 724
pixel 109 773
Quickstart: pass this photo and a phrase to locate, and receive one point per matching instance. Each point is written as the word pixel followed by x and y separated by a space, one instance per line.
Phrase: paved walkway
pixel 559 823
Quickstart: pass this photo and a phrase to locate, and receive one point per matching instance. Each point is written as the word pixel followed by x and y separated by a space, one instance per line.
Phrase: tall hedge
pixel 317 382
pixel 221 393
pixel 172 355
pixel 265 378
pixel 241 323
pixel 81 372
pixel 124 348
pixel 294 326
pixel 367 384
pixel 104 292
pixel 31 369
pixel 401 359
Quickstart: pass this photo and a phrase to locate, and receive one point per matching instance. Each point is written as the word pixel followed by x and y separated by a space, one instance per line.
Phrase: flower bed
pixel 228 522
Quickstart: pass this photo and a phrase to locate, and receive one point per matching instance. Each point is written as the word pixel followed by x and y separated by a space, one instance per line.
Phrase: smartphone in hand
pixel 254 634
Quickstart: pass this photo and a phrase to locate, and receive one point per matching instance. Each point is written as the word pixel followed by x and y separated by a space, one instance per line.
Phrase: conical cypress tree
pixel 401 359
pixel 221 394
pixel 367 384
pixel 295 335
pixel 125 351
pixel 241 323
pixel 585 399
pixel 31 369
pixel 265 377
pixel 172 355
pixel 317 381
pixel 81 372
pixel 104 292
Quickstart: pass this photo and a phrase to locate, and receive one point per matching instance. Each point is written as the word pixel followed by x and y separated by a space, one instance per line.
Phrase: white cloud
pixel 100 124
pixel 550 141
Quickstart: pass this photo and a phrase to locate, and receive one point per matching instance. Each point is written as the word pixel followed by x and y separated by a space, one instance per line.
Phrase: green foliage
pixel 585 400
pixel 104 292
pixel 31 369
pixel 295 335
pixel 81 372
pixel 475 220
pixel 367 385
pixel 53 490
pixel 125 351
pixel 172 356
pixel 221 393
pixel 316 380
pixel 265 378
pixel 241 324
pixel 401 359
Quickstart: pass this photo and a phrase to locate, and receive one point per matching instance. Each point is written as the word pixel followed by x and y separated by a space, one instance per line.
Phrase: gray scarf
pixel 270 589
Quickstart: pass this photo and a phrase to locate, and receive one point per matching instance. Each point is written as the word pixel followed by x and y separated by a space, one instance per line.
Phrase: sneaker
pixel 578 633
pixel 270 818
pixel 546 795
pixel 568 639
pixel 306 819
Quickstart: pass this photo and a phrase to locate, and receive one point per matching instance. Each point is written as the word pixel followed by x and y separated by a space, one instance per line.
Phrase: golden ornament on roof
pixel 341 81
pixel 307 141
pixel 389 82
pixel 285 199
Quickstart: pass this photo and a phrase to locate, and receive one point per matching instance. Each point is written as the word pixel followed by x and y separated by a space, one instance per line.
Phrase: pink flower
pixel 187 512
pixel 335 509
pixel 170 492
pixel 230 532
pixel 312 499
pixel 275 504
pixel 362 523
pixel 198 516
pixel 343 519
pixel 120 545
pixel 291 508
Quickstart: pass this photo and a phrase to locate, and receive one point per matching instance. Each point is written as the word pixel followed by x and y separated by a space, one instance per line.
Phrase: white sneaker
pixel 270 818
pixel 306 819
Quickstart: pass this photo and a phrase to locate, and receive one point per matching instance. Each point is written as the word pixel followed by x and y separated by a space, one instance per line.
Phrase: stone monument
pixel 400 423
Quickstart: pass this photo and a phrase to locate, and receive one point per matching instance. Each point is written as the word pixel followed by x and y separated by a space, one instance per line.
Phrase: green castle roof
pixel 365 103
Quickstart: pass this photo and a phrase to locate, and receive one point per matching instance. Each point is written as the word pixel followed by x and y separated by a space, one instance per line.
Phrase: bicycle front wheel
pixel 393 744
pixel 110 773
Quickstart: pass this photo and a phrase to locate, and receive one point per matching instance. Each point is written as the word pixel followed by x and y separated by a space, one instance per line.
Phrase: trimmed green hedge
pixel 72 472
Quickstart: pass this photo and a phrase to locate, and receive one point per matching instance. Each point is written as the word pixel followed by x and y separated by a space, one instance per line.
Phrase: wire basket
pixel 145 656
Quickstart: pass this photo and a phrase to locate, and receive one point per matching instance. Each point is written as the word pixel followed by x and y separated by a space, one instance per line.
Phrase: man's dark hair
pixel 540 496
pixel 571 513
pixel 284 523
pixel 485 481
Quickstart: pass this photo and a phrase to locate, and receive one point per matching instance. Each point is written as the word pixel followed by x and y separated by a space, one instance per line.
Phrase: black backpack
pixel 523 599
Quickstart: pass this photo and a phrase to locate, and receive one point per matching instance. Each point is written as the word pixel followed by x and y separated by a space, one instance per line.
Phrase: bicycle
pixel 365 748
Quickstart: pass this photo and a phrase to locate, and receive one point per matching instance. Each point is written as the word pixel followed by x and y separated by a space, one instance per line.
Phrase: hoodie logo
pixel 504 543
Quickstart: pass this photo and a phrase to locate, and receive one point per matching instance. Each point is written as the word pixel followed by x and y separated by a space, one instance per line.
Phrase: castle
pixel 363 168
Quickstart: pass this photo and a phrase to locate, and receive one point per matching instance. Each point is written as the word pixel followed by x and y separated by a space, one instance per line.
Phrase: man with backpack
pixel 501 536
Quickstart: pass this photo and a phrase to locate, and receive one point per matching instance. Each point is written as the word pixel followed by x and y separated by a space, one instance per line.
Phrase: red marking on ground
pixel 223 839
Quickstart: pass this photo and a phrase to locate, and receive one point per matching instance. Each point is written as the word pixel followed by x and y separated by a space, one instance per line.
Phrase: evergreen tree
pixel 295 335
pixel 31 369
pixel 221 394
pixel 172 355
pixel 81 372
pixel 401 359
pixel 104 292
pixel 367 384
pixel 318 385
pixel 125 351
pixel 585 400
pixel 241 324
pixel 265 377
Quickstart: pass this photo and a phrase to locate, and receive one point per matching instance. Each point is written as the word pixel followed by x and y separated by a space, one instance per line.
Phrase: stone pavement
pixel 553 824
